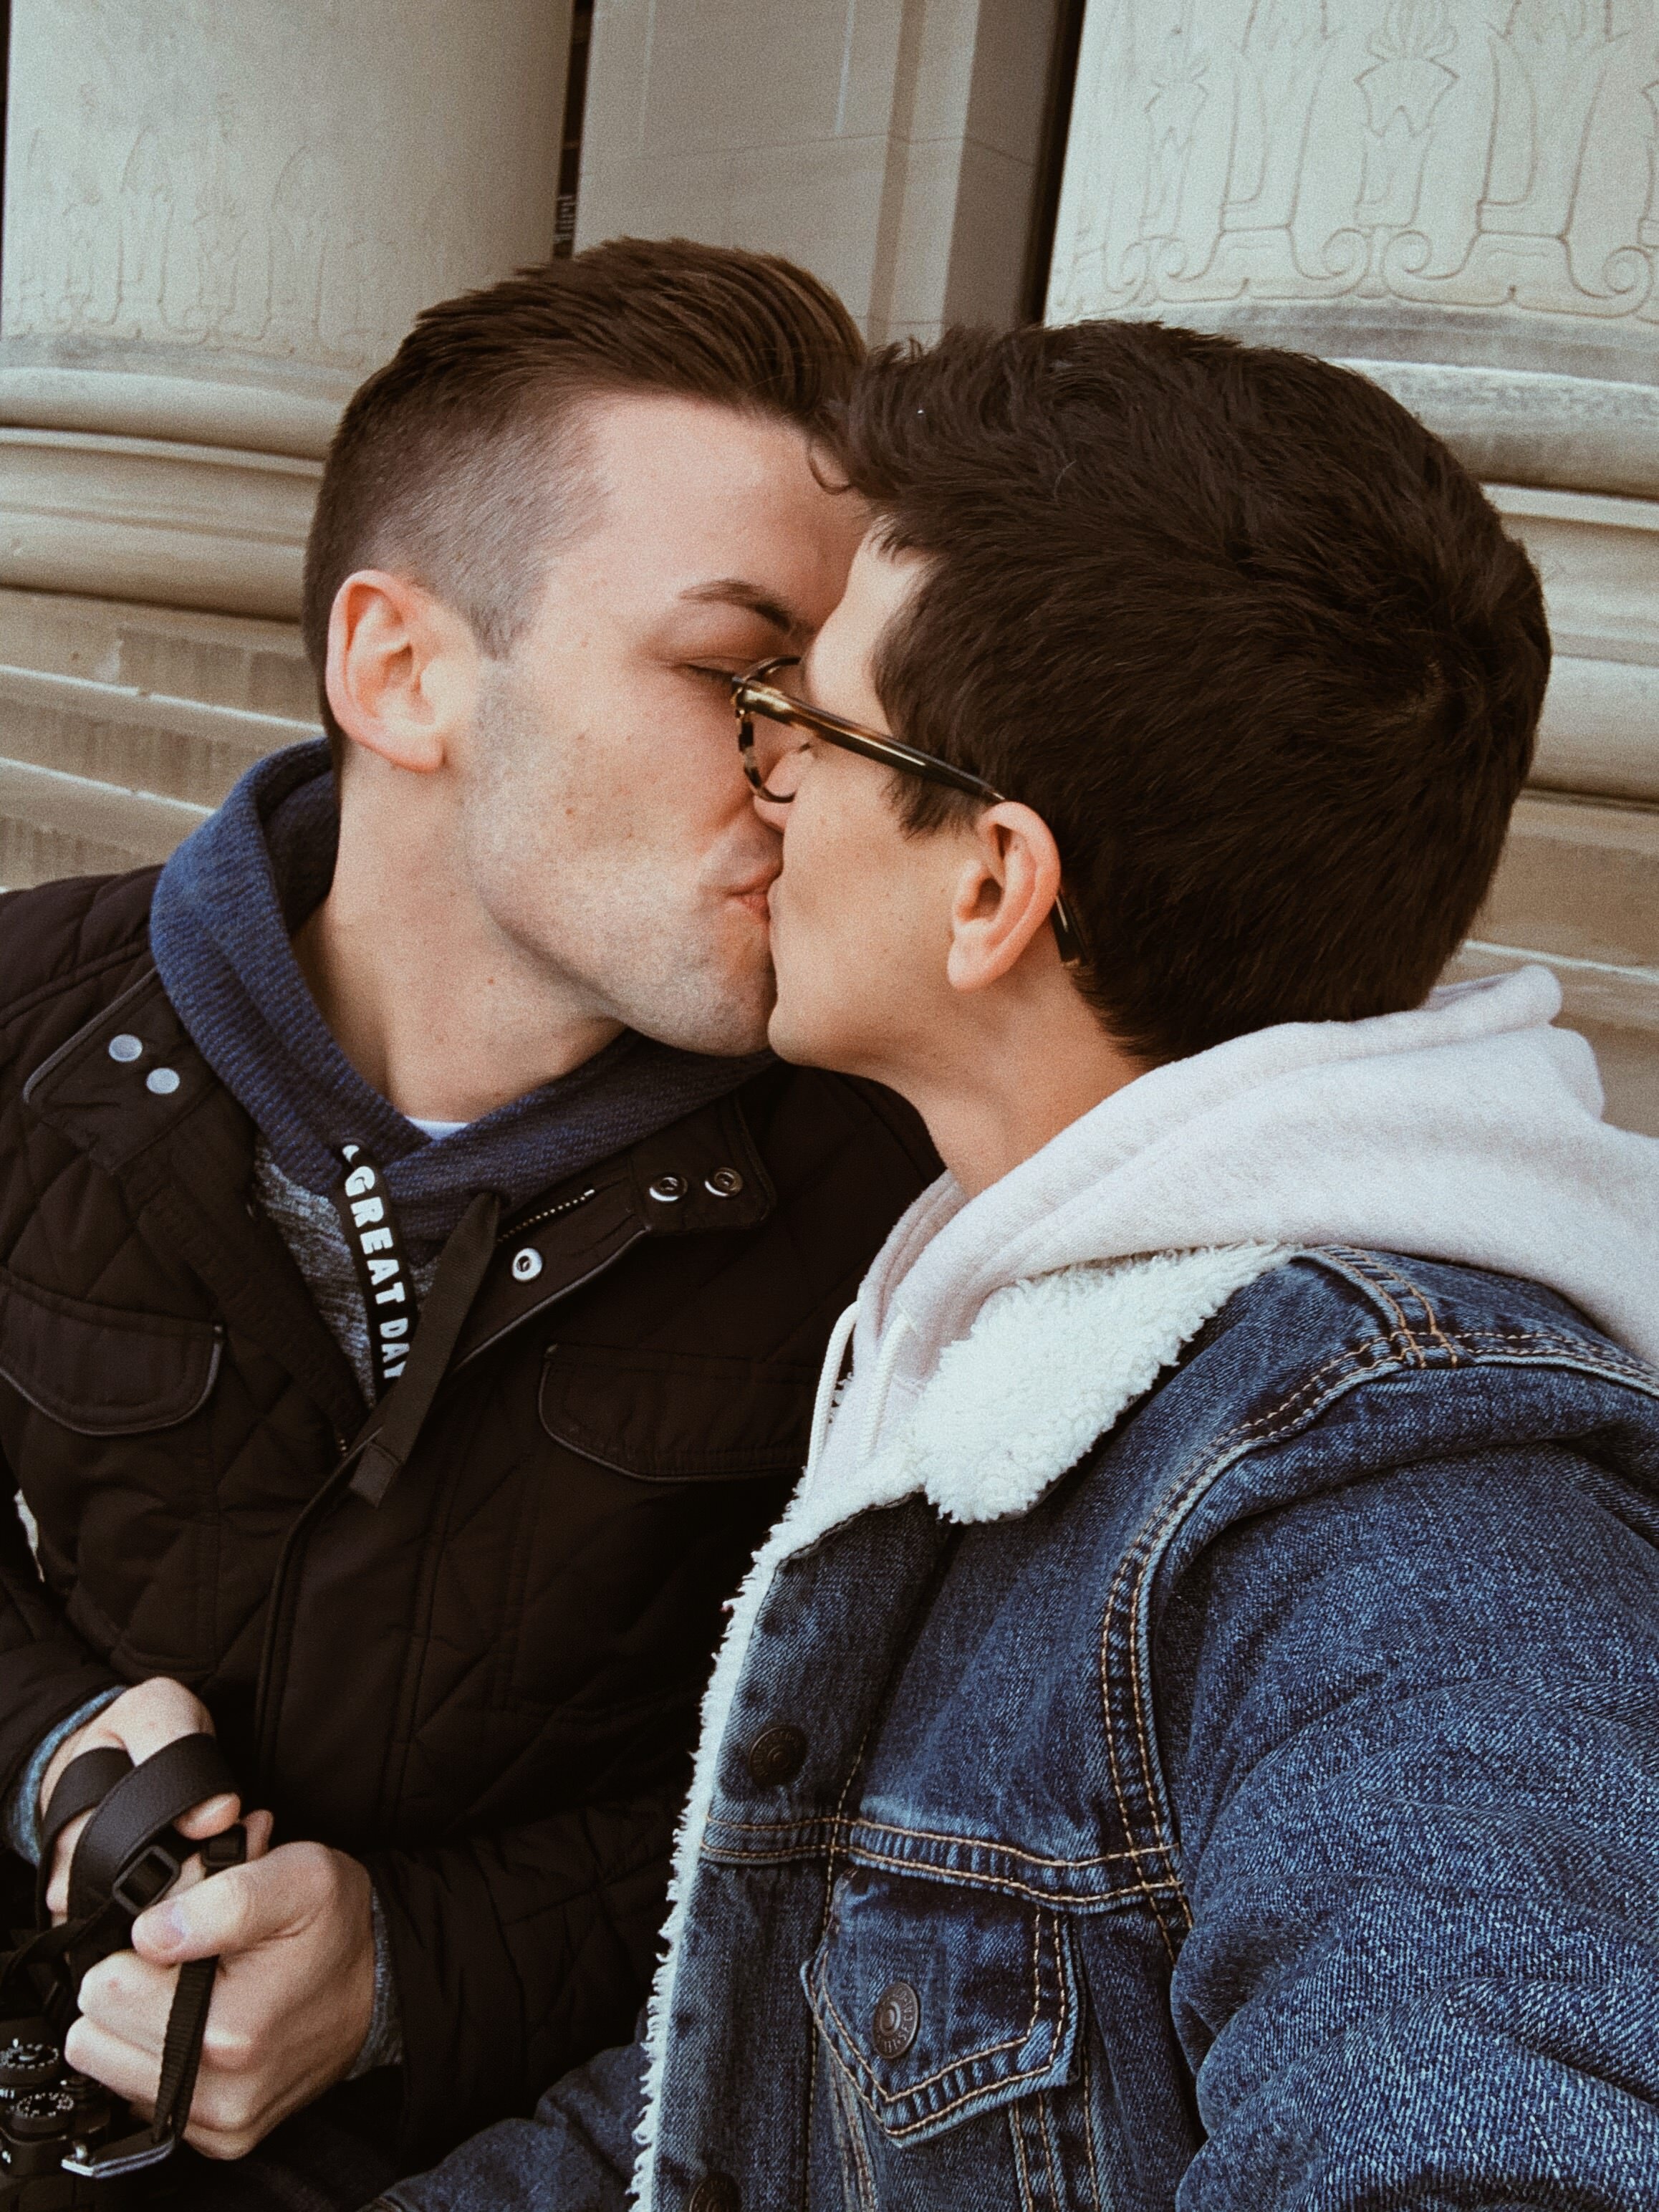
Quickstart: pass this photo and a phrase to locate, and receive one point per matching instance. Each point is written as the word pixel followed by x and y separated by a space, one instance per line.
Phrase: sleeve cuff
pixel 20 1820
pixel 384 2043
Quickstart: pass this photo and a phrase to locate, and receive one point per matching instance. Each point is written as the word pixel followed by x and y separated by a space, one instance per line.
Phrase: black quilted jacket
pixel 486 1686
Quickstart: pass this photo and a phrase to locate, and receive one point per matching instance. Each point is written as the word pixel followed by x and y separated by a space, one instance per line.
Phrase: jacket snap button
pixel 725 1182
pixel 777 1755
pixel 898 2015
pixel 163 1081
pixel 667 1189
pixel 126 1047
pixel 715 2192
pixel 526 1265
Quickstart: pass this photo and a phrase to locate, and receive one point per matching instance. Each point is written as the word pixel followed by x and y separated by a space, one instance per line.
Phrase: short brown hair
pixel 439 468
pixel 1239 627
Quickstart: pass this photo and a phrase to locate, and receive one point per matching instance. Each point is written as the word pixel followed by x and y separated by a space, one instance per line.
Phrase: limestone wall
pixel 891 145
pixel 219 215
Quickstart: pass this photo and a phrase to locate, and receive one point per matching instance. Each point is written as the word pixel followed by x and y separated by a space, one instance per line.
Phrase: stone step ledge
pixel 56 825
pixel 119 735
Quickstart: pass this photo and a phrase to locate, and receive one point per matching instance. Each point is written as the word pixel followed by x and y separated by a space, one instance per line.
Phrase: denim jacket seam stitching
pixel 1183 1496
pixel 1048 1900
pixel 1583 1356
pixel 1090 2151
pixel 999 1849
pixel 879 1828
pixel 1379 1284
pixel 1142 1553
pixel 1375 1272
pixel 1022 2161
pixel 861 2151
pixel 968 2096
pixel 1045 2122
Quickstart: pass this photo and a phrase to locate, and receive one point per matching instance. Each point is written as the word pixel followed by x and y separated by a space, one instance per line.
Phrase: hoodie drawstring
pixel 899 1326
pixel 829 1381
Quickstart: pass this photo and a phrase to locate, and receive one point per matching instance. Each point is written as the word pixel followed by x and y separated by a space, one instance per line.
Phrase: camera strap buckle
pixel 145 1878
pixel 131 2156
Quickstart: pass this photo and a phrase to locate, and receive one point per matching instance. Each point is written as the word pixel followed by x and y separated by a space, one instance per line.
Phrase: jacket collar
pixel 130 1090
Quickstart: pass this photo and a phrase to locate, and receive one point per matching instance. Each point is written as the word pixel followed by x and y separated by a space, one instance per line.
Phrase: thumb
pixel 235 1911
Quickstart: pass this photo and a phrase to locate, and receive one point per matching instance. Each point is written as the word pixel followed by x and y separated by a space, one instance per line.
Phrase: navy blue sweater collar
pixel 225 908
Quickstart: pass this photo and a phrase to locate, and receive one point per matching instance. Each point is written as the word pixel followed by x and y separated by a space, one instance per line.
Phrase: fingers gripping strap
pixel 135 1821
pixel 181 2051
pixel 84 1783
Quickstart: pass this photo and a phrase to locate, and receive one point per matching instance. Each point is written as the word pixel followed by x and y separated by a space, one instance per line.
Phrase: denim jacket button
pixel 777 1755
pixel 715 2192
pixel 898 2015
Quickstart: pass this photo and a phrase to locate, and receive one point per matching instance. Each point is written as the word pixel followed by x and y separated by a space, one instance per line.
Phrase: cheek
pixel 833 906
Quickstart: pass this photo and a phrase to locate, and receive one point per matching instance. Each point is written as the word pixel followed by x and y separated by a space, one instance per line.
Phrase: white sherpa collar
pixel 1047 1368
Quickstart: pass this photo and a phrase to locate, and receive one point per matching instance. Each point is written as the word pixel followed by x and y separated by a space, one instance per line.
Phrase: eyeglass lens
pixel 774 749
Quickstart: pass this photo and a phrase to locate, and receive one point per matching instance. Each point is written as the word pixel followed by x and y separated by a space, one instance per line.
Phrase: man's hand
pixel 140 1722
pixel 295 1934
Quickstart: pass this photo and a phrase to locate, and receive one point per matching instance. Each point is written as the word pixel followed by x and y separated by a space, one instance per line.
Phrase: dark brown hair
pixel 444 468
pixel 1243 632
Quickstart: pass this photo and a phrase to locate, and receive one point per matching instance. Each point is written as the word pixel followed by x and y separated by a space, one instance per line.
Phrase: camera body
pixel 48 2111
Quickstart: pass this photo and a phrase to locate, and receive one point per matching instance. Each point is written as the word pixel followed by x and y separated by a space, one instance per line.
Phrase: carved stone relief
pixel 277 182
pixel 1465 155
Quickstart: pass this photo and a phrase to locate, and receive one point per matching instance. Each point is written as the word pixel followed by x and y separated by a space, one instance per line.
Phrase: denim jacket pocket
pixel 942 2001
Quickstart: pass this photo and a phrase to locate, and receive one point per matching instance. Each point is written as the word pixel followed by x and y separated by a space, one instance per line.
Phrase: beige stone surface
pixel 1578 879
pixel 889 145
pixel 1598 560
pixel 281 186
pixel 218 215
pixel 121 726
pixel 1478 182
pixel 56 825
pixel 218 659
pixel 145 517
pixel 1577 889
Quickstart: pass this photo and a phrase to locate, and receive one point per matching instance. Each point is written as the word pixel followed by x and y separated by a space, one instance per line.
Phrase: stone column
pixel 1462 198
pixel 219 215
pixel 891 146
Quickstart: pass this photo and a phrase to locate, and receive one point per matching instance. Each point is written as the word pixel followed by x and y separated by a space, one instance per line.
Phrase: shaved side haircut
pixel 458 465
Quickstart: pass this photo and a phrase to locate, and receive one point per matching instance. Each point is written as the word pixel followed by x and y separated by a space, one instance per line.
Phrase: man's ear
pixel 403 669
pixel 1005 896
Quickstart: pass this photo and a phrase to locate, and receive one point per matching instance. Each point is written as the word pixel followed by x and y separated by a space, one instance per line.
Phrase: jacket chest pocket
pixel 678 1417
pixel 941 2002
pixel 100 1372
pixel 120 1500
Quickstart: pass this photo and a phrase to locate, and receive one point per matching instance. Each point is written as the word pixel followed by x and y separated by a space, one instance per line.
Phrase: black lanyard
pixel 364 1205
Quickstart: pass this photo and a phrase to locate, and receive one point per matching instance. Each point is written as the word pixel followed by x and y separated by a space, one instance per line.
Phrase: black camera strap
pixel 384 1275
pixel 128 1856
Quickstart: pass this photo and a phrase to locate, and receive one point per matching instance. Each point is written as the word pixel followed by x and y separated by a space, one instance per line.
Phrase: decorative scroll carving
pixel 1470 154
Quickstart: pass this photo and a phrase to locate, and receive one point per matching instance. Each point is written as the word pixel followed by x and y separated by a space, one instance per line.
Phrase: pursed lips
pixel 755 896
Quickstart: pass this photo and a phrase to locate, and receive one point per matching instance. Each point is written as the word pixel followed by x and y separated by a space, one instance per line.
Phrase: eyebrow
pixel 734 592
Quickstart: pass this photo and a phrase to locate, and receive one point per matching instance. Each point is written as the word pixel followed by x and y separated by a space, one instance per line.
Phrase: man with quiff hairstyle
pixel 473 1030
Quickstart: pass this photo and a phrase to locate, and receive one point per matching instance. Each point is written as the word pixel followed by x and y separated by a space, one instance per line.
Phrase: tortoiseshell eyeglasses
pixel 756 699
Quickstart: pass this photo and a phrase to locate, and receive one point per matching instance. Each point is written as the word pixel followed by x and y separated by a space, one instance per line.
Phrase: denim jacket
pixel 1260 1809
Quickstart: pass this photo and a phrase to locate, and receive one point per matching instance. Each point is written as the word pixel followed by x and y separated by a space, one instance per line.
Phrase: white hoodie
pixel 995 1338
pixel 1469 1130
